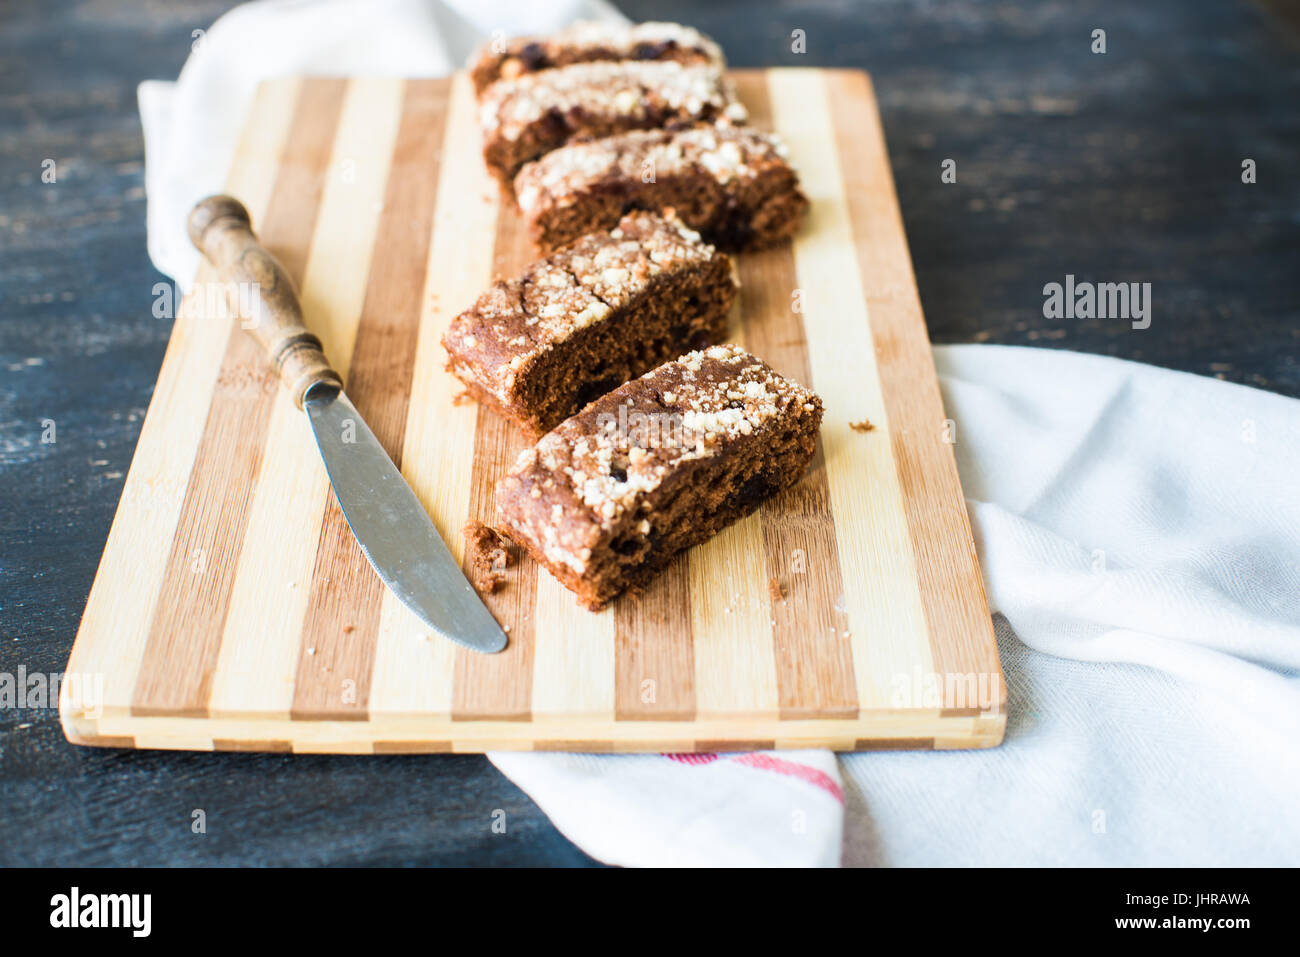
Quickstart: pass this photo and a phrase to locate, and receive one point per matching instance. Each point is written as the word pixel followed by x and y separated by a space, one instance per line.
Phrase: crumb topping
pixel 629 90
pixel 599 40
pixel 634 37
pixel 723 153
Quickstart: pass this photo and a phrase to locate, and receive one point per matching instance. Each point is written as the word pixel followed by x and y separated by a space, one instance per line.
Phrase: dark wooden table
pixel 1116 167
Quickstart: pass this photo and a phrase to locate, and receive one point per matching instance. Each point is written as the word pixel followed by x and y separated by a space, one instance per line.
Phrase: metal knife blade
pixel 395 532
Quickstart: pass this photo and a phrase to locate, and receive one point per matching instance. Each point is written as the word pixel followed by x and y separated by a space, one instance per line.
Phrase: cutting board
pixel 233 610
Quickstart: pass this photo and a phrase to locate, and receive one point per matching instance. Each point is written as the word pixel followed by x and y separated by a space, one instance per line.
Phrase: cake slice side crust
pixel 599 312
pixel 732 184
pixel 608 499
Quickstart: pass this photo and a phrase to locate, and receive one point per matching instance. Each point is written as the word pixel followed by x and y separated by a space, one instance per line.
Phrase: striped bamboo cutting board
pixel 234 611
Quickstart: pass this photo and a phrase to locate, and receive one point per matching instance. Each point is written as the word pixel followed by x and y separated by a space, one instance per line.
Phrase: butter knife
pixel 392 527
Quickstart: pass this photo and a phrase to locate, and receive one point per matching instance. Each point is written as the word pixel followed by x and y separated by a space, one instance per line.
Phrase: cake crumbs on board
pixel 489 554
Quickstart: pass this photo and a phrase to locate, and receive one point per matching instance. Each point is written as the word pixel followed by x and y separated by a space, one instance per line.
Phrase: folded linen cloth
pixel 1139 529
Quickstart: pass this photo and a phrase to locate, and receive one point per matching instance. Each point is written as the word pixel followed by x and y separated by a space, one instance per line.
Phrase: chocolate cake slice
pixel 524 118
pixel 659 465
pixel 600 311
pixel 588 42
pixel 731 183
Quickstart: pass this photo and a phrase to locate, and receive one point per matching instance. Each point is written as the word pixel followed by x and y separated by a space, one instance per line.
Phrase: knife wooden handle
pixel 261 293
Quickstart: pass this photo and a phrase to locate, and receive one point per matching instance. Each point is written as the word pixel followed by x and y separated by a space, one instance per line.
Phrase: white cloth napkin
pixel 1139 529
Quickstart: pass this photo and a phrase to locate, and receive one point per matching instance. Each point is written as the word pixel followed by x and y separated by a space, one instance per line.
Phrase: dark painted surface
pixel 1117 167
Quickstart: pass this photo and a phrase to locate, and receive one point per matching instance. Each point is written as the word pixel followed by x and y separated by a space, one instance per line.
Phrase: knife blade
pixel 393 529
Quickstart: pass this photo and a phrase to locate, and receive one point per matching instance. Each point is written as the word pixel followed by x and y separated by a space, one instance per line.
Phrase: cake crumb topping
pixel 592 40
